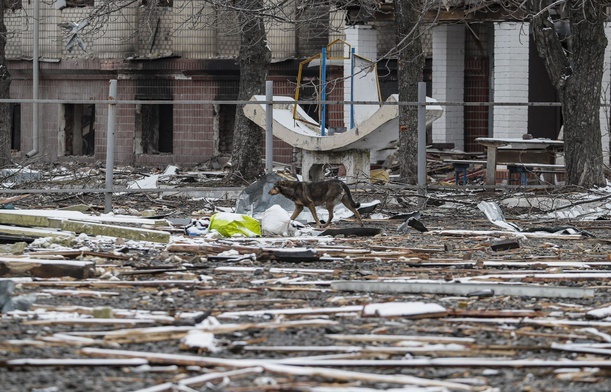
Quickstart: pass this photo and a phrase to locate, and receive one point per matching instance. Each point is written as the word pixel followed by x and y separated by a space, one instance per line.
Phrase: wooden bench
pixel 518 171
pixel 460 168
pixel 522 170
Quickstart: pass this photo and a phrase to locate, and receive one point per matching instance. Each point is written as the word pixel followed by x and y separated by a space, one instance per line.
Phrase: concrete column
pixel 448 83
pixel 356 163
pixel 510 78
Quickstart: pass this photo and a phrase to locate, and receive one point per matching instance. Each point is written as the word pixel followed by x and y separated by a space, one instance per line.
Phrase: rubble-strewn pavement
pixel 229 314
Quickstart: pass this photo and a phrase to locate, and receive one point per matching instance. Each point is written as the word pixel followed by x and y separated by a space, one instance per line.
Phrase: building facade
pixel 176 61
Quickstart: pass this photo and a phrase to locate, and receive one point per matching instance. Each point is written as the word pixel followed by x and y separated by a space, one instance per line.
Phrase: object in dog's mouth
pixel 311 194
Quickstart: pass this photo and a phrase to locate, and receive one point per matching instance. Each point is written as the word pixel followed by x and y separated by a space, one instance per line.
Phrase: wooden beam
pixel 46 268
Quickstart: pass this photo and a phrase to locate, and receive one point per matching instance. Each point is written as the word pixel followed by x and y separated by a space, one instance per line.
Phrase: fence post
pixel 110 144
pixel 421 137
pixel 35 82
pixel 269 127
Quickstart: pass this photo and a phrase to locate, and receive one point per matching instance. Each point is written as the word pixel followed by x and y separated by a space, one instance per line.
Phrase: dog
pixel 312 194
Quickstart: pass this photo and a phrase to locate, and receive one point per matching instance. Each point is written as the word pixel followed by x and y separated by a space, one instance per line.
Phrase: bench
pixel 518 172
pixel 460 168
pixel 522 169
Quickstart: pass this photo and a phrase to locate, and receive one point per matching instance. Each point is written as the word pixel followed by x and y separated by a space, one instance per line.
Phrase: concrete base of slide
pixel 356 163
pixel 351 148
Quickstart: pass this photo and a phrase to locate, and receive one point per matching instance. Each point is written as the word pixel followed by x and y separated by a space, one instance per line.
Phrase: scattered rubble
pixel 483 299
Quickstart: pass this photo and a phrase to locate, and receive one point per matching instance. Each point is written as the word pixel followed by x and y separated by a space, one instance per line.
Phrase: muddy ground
pixel 203 293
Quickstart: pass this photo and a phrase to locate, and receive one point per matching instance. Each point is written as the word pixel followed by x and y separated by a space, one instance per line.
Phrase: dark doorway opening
pixel 16 127
pixel 78 129
pixel 155 126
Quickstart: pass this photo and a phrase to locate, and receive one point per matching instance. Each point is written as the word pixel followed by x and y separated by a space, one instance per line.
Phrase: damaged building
pixel 181 56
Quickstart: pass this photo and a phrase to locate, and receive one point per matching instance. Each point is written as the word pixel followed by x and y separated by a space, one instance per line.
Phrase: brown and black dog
pixel 312 194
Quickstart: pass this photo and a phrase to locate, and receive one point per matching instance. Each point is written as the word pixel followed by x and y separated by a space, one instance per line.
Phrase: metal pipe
pixel 323 91
pixel 422 137
pixel 269 124
pixel 110 144
pixel 35 77
pixel 352 52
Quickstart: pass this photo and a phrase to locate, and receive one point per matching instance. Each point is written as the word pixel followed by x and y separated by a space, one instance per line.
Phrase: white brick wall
pixel 448 83
pixel 364 40
pixel 510 78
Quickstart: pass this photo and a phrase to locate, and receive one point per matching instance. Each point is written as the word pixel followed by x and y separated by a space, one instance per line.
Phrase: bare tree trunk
pixel 410 66
pixel 254 58
pixel 576 72
pixel 6 114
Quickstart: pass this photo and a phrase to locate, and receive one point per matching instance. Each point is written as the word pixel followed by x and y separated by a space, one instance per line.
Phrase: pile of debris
pixel 470 292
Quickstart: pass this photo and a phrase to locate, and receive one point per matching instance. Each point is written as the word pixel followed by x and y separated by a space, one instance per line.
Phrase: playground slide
pixel 380 131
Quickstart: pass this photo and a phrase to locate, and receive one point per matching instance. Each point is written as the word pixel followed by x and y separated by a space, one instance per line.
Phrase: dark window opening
pixel 309 92
pixel 226 123
pixel 543 121
pixel 155 125
pixel 16 127
pixel 159 3
pixel 79 3
pixel 12 5
pixel 79 129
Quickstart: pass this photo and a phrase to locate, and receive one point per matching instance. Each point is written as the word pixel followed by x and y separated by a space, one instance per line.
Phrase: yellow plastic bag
pixel 229 225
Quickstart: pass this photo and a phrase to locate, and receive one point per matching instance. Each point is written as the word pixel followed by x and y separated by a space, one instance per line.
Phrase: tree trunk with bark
pixel 410 65
pixel 576 71
pixel 254 59
pixel 6 114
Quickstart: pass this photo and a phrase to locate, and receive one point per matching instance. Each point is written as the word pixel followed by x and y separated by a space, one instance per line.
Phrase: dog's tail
pixel 349 195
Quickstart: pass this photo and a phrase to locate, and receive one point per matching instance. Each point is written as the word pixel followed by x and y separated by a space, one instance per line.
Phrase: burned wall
pixel 199 130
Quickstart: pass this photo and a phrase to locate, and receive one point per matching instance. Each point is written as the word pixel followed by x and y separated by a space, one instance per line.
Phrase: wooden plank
pixel 89 321
pixel 400 338
pixel 49 218
pixel 37 362
pixel 34 232
pixel 204 378
pixel 485 362
pixel 156 334
pixel 275 366
pixel 73 254
pixel 46 268
pixel 462 288
pixel 130 233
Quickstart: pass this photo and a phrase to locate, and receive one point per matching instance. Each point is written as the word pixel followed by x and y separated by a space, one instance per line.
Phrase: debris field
pixel 465 300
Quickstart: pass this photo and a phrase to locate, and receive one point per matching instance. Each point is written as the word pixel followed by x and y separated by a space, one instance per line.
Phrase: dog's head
pixel 277 188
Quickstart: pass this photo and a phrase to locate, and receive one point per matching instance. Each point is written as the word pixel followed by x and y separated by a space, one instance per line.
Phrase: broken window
pixel 16 127
pixel 77 131
pixel 159 3
pixel 154 128
pixel 13 5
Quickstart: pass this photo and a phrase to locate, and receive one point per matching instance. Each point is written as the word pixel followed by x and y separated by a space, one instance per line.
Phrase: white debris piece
pixel 275 221
pixel 495 215
pixel 599 313
pixel 200 340
pixel 390 309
